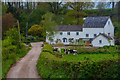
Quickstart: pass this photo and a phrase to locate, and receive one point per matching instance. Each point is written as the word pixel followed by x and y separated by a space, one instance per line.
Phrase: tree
pixel 49 25
pixel 36 30
pixel 103 5
pixel 8 21
pixel 56 7
pixel 77 10
pixel 4 9
pixel 13 34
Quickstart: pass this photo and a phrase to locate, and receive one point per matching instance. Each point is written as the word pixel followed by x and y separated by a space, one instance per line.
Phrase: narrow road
pixel 26 67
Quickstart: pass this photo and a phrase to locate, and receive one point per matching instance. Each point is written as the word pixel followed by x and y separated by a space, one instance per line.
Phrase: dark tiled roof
pixel 108 37
pixel 69 27
pixel 95 22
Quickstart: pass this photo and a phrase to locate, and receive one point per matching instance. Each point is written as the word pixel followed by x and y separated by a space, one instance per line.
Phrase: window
pixel 61 33
pixel 68 33
pixel 87 35
pixel 108 34
pixel 100 41
pixel 108 22
pixel 64 39
pixel 95 35
pixel 71 39
pixel 77 33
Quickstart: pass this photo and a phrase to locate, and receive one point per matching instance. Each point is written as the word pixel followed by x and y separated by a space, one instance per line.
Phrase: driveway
pixel 26 66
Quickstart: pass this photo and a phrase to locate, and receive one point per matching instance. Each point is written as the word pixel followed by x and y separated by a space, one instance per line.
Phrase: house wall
pixel 91 32
pixel 96 43
pixel 109 28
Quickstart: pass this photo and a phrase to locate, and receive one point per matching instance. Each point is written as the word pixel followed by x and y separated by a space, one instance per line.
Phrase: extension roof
pixel 69 27
pixel 108 37
pixel 95 22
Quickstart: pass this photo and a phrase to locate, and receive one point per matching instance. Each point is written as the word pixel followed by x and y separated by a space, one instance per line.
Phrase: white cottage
pixel 96 31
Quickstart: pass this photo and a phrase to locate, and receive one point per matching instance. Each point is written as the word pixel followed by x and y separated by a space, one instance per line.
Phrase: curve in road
pixel 26 67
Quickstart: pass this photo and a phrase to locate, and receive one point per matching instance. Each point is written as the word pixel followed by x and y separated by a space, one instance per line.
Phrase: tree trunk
pixel 27 5
pixel 113 5
pixel 19 5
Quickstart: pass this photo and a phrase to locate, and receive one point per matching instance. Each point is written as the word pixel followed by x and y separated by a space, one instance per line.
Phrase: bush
pixel 45 43
pixel 59 44
pixel 48 48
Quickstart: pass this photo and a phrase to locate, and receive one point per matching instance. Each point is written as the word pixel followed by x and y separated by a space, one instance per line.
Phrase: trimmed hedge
pixel 49 66
pixel 47 48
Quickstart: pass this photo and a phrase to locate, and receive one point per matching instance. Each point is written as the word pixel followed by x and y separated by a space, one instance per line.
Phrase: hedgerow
pixel 12 50
pixel 49 66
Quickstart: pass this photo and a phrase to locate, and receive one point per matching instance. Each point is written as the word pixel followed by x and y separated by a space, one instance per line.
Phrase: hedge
pixel 49 66
pixel 47 48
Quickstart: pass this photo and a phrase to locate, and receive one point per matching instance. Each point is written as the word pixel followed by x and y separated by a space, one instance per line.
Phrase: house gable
pixel 100 41
pixel 109 28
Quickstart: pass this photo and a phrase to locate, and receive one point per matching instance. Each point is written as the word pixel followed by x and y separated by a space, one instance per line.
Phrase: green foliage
pixel 14 35
pixel 36 30
pixel 77 10
pixel 49 25
pixel 49 66
pixel 48 48
pixel 59 44
pixel 4 9
pixel 12 50
pixel 45 43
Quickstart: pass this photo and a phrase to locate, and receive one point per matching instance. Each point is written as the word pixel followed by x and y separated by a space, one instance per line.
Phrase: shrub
pixel 48 48
pixel 60 44
pixel 45 43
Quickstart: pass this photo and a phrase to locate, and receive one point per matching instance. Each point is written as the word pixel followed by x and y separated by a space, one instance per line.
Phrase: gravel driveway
pixel 26 66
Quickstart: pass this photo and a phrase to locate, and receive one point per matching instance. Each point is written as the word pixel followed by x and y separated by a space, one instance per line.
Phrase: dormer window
pixel 68 33
pixel 61 33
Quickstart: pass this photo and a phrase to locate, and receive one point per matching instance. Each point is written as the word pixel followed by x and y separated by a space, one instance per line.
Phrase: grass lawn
pixel 93 57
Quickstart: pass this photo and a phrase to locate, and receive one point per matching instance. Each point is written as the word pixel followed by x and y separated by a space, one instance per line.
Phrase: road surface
pixel 26 67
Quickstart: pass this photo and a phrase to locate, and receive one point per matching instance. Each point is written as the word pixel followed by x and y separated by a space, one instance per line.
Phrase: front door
pixel 88 43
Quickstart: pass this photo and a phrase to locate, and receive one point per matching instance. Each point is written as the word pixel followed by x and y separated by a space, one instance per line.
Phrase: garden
pixel 88 63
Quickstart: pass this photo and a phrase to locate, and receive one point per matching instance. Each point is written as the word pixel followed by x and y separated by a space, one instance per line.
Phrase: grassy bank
pixel 92 66
pixel 9 59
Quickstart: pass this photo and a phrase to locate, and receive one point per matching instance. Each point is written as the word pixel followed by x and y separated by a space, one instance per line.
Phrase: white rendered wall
pixel 96 43
pixel 109 28
pixel 91 32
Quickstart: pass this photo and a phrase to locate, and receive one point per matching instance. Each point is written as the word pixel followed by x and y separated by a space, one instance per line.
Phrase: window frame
pixel 68 33
pixel 100 41
pixel 87 35
pixel 77 33
pixel 108 34
pixel 61 33
pixel 95 35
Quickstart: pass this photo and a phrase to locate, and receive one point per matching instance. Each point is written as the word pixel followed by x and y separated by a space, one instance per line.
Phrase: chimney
pixel 84 18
